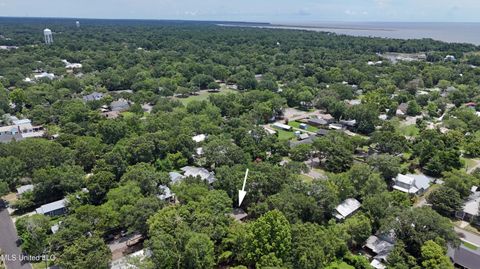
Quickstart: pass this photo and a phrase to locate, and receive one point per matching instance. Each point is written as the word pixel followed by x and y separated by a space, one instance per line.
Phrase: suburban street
pixel 8 237
pixel 468 236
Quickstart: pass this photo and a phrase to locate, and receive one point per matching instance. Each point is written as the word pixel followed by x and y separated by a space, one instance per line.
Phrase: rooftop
pixel 347 207
pixel 203 173
pixel 51 206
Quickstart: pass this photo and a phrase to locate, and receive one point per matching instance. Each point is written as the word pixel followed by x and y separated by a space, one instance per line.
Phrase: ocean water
pixel 444 31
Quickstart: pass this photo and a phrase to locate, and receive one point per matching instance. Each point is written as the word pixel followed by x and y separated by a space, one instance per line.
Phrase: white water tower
pixel 77 23
pixel 47 33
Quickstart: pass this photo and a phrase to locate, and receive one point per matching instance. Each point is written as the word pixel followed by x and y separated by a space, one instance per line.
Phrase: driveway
pixel 8 238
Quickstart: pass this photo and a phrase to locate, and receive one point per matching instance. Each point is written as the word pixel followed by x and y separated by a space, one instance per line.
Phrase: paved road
pixel 8 237
pixel 468 236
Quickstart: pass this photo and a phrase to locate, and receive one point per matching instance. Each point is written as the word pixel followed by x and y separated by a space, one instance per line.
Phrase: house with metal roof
pixel 470 210
pixel 412 183
pixel 347 208
pixel 203 173
pixel 464 257
pixel 120 105
pixel 317 122
pixel 199 138
pixel 95 96
pixel 23 189
pixel 56 208
pixel 175 177
pixel 167 194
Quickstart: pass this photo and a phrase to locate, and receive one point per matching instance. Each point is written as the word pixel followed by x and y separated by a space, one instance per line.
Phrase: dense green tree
pixel 434 256
pixel 11 170
pixel 33 231
pixel 445 201
pixel 199 252
pixel 88 252
pixel 270 234
pixel 459 181
pixel 415 226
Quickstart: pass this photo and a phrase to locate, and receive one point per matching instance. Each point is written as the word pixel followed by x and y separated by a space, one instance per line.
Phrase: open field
pixel 203 95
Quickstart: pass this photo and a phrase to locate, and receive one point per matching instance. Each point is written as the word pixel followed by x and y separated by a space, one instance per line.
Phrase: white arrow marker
pixel 242 192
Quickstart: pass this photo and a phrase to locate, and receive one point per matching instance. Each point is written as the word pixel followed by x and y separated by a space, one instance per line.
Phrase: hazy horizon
pixel 274 11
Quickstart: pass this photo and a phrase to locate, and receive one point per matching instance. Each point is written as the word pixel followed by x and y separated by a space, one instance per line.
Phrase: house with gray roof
pixel 204 174
pixel 175 177
pixel 463 257
pixel 412 183
pixel 167 194
pixel 347 208
pixel 317 122
pixel 120 105
pixel 53 209
pixel 470 210
pixel 95 96
pixel 23 189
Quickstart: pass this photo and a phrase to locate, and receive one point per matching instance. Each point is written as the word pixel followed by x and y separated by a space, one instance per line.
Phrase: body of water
pixel 448 32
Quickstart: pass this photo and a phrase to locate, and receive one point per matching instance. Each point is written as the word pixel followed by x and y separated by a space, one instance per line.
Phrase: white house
pixel 410 183
pixel 282 126
pixel 19 130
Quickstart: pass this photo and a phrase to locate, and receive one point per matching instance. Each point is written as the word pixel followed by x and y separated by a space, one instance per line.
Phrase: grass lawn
pixel 342 265
pixel 203 95
pixel 405 130
pixel 296 124
pixel 408 130
pixel 469 163
pixel 469 245
pixel 284 135
pixel 305 178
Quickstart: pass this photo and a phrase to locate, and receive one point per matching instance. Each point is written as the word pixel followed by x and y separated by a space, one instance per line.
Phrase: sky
pixel 275 11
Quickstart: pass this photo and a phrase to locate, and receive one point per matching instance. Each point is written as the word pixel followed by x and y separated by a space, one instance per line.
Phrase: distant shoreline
pixel 445 32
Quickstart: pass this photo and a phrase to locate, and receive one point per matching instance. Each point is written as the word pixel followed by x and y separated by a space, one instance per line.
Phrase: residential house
pixel 303 136
pixel 347 208
pixel 199 138
pixel 354 102
pixel 44 75
pixel 317 122
pixel 203 173
pixel 450 58
pixel 379 247
pixel 348 123
pixel 282 126
pixel 53 209
pixel 175 177
pixel 19 130
pixel 335 126
pixel 111 114
pixel 167 194
pixel 413 184
pixel 402 110
pixel 120 105
pixel 463 257
pixel 23 189
pixel 269 131
pixel 470 210
pixel 95 96
pixel 329 118
pixel 69 65
pixel 322 132
pixel 238 214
